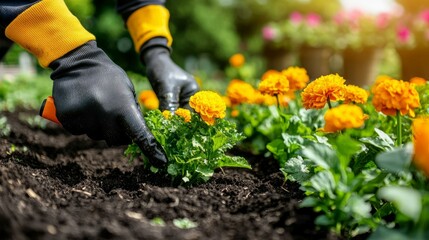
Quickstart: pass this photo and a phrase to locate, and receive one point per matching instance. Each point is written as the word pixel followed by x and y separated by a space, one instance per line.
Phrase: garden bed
pixel 56 186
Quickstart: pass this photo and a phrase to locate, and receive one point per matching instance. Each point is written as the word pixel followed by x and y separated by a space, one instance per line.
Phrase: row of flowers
pixel 360 156
pixel 353 29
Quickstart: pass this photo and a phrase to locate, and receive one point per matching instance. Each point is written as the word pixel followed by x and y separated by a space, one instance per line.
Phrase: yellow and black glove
pixel 147 22
pixel 92 94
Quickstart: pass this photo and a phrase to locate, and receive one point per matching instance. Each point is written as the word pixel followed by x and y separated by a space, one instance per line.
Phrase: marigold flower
pixel 393 95
pixel 239 91
pixel 237 60
pixel 184 113
pixel 209 105
pixel 318 92
pixel 418 81
pixel 227 101
pixel 269 72
pixel 344 116
pixel 355 94
pixel 235 113
pixel 420 128
pixel 274 84
pixel 149 99
pixel 166 114
pixel 297 77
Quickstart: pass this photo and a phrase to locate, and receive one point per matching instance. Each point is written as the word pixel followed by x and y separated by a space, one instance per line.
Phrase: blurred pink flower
pixel 269 33
pixel 313 19
pixel 403 33
pixel 382 20
pixel 424 16
pixel 296 17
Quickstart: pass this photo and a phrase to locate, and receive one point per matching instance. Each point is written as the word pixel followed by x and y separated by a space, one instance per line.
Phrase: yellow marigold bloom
pixel 344 117
pixel 393 95
pixel 209 105
pixel 420 128
pixel 184 113
pixel 274 84
pixel 355 94
pixel 149 99
pixel 237 60
pixel 239 91
pixel 418 81
pixel 297 77
pixel 317 93
pixel 166 114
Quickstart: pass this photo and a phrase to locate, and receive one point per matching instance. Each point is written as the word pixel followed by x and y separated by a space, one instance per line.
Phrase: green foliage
pixel 424 99
pixel 194 149
pixel 184 223
pixel 4 127
pixel 25 92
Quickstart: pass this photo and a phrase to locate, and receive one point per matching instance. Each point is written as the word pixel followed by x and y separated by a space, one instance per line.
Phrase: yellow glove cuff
pixel 48 30
pixel 149 22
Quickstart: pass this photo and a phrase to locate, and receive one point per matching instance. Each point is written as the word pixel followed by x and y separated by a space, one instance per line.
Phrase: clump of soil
pixel 57 186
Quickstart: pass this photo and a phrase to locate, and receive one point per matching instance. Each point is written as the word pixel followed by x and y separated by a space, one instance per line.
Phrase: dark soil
pixel 57 186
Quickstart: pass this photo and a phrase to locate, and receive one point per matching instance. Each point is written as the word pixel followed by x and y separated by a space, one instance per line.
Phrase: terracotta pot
pixel 315 60
pixel 414 63
pixel 360 66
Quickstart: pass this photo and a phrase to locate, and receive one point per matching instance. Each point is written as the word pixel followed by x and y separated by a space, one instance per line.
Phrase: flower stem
pixel 398 129
pixel 278 103
pixel 329 103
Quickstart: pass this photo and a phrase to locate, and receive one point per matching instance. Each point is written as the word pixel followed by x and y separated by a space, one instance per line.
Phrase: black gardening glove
pixel 94 96
pixel 172 85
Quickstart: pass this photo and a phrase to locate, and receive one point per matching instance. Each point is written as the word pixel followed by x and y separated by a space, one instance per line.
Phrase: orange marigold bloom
pixel 149 99
pixel 420 128
pixel 418 81
pixel 227 101
pixel 270 72
pixel 166 114
pixel 235 113
pixel 394 95
pixel 239 91
pixel 317 93
pixel 274 84
pixel 264 99
pixel 237 60
pixel 184 113
pixel 344 117
pixel 209 105
pixel 297 77
pixel 355 94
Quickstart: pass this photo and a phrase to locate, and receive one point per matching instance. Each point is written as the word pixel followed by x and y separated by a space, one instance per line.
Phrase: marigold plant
pixel 323 90
pixel 239 91
pixel 237 60
pixel 420 128
pixel 355 94
pixel 148 99
pixel 209 105
pixel 194 149
pixel 343 117
pixel 274 84
pixel 297 77
pixel 391 96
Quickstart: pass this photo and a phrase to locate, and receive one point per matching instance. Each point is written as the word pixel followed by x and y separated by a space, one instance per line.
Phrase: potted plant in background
pixel 412 44
pixel 364 39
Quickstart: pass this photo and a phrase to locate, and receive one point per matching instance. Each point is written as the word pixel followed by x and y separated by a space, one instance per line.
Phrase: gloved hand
pixel 172 85
pixel 94 96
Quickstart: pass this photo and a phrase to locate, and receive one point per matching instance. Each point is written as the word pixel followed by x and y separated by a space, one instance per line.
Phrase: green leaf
pixel 382 142
pixel 309 202
pixel 173 169
pixel 205 171
pixel 407 200
pixel 397 160
pixel 323 220
pixel 296 170
pixel 219 139
pixel 385 233
pixel 321 155
pixel 324 182
pixel 234 161
pixel 184 223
